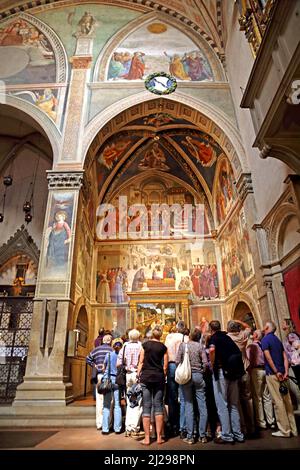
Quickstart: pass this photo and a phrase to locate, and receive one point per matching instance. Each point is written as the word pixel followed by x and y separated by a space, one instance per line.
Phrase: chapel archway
pixel 160 151
pixel 244 313
pixel 25 156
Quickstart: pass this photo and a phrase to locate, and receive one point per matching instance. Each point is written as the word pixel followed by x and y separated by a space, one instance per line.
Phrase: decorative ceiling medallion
pixel 160 83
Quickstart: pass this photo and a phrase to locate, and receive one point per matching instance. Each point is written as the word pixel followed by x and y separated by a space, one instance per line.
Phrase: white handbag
pixel 183 372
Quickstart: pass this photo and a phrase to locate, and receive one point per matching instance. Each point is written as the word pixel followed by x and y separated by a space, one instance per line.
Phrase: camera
pixel 283 389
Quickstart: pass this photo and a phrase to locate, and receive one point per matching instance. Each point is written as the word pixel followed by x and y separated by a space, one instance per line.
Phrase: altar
pixel 148 308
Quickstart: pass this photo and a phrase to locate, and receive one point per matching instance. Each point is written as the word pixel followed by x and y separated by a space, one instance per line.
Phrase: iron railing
pixel 15 325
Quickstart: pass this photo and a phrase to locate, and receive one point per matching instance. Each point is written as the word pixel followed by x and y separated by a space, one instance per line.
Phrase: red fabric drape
pixel 292 287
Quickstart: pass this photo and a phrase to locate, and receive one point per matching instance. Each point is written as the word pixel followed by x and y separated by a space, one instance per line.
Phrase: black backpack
pixel 234 368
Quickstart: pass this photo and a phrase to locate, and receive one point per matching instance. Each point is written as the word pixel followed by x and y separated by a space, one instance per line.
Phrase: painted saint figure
pixel 137 67
pixel 138 280
pixel 59 236
pixel 204 153
pixel 103 292
pixel 176 67
pixel 195 66
pixel 47 102
pixel 112 153
pixel 154 158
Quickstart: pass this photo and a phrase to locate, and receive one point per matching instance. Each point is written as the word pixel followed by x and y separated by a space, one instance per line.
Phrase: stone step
pixel 52 416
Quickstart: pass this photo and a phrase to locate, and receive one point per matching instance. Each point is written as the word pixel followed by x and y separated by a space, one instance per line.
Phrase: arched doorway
pixel 79 375
pixel 243 313
pixel 26 155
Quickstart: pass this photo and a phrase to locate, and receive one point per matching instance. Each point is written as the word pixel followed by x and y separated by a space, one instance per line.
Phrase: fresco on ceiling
pixel 44 98
pixel 202 149
pixel 225 191
pixel 237 263
pixel 158 47
pixel 155 267
pixel 112 152
pixel 58 236
pixel 156 154
pixel 99 21
pixel 31 57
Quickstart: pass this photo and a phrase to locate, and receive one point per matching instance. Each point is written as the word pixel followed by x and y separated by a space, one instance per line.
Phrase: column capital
pixel 65 179
pixel 81 62
pixel 256 227
pixel 244 185
pixel 268 284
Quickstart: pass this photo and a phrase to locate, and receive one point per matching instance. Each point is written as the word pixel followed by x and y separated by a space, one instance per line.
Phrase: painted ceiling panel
pixel 204 13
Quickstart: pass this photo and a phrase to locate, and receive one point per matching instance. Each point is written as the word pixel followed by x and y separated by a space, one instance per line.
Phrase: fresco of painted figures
pixel 237 263
pixel 225 193
pixel 58 236
pixel 158 47
pixel 31 58
pixel 45 99
pixel 156 266
pixel 161 154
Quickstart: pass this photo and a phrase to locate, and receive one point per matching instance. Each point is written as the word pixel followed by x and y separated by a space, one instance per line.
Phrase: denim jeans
pixel 153 395
pixel 117 409
pixel 196 386
pixel 173 396
pixel 182 423
pixel 227 401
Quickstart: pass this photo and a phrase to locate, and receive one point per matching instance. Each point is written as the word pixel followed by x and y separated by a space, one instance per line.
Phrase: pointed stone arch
pixel 206 116
pixel 280 217
pixel 245 298
pixel 21 243
pixel 42 120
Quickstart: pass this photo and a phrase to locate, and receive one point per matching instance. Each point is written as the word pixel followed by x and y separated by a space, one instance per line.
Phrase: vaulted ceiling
pixel 203 16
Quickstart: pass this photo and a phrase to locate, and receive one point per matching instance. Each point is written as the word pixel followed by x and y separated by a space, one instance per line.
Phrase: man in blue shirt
pixel 277 366
pixel 95 359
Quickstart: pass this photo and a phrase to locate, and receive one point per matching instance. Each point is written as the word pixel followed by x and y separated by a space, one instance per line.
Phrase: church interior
pixel 79 130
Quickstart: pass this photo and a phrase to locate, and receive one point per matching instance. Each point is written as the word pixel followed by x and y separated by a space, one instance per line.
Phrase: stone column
pixel 272 305
pixel 219 264
pixel 45 384
pixel 77 101
pixel 245 192
pixel 263 252
pixel 133 315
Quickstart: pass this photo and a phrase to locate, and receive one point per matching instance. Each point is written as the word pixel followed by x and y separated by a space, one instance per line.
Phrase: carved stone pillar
pixel 45 383
pixel 245 192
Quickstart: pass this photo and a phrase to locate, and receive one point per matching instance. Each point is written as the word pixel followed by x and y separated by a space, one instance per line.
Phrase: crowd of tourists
pixel 237 382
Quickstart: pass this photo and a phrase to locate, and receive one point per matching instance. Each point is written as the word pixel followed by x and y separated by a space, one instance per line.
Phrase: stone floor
pixel 91 439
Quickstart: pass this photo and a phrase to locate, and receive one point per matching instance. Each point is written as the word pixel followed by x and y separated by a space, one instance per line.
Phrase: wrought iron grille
pixel 15 325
